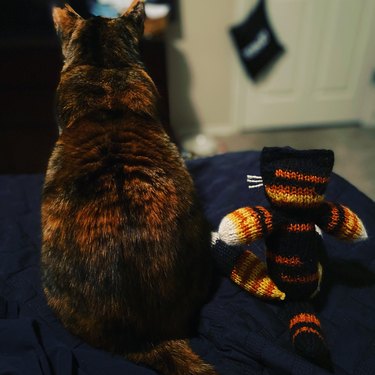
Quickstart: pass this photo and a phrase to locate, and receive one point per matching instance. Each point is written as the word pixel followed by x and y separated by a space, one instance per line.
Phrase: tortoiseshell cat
pixel 125 259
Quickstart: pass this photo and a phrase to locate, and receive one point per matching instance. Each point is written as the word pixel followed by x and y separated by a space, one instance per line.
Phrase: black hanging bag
pixel 256 42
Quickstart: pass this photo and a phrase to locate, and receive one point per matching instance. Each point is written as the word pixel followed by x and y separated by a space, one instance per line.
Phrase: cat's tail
pixel 307 335
pixel 174 357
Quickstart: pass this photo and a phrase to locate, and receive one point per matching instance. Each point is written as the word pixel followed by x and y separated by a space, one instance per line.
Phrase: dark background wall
pixel 30 62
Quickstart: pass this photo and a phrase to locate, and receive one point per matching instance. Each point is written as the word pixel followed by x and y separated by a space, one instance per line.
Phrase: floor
pixel 354 149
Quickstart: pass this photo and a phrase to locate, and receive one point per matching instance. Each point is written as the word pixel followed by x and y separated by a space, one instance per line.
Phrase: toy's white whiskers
pixel 256 181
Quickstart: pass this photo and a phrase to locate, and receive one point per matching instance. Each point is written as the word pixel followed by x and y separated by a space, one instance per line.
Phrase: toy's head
pixel 293 178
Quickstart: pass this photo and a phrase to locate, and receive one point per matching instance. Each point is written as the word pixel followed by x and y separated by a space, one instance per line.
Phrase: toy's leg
pixel 250 273
pixel 245 269
pixel 306 334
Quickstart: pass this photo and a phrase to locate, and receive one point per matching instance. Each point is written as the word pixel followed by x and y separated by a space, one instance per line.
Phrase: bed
pixel 237 333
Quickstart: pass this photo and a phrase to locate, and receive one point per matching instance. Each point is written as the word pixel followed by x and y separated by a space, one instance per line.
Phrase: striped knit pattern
pixel 293 259
pixel 295 178
pixel 250 273
pixel 305 323
pixel 245 225
pixel 283 195
pixel 341 222
pixel 294 183
pixel 306 334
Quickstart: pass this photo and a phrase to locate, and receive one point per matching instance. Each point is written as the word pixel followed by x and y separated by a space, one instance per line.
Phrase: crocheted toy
pixel 294 183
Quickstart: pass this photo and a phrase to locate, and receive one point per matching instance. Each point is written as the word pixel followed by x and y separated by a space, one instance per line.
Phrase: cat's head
pixel 295 178
pixel 99 41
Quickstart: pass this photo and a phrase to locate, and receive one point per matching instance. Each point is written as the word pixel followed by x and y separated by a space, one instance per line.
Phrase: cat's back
pixel 118 200
pixel 120 159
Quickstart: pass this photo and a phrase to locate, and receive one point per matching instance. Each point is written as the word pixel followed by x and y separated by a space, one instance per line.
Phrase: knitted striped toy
pixel 294 183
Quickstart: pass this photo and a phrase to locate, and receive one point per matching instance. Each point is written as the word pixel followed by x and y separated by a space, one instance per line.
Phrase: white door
pixel 325 72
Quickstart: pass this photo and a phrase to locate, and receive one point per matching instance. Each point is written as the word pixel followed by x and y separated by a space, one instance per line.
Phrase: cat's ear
pixel 136 15
pixel 65 20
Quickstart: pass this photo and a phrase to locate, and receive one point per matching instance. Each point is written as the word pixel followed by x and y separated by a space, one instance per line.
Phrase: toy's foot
pixel 244 268
pixel 314 349
pixel 307 335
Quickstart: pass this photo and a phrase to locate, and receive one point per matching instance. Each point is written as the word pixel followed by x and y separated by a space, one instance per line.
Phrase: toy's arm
pixel 245 269
pixel 245 225
pixel 341 222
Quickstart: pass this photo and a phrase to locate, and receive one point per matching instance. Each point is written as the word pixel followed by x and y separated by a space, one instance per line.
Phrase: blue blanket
pixel 237 333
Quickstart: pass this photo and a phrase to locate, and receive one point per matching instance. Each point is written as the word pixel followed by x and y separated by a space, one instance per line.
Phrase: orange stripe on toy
pixel 308 227
pixel 345 224
pixel 249 271
pixel 251 274
pixel 286 261
pixel 247 223
pixel 293 195
pixel 304 318
pixel 300 279
pixel 335 217
pixel 259 280
pixel 267 217
pixel 291 175
pixel 244 268
pixel 308 330
pixel 352 227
